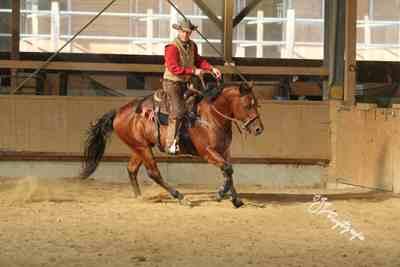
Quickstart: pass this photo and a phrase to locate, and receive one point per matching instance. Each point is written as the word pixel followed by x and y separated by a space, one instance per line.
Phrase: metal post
pixel 367 32
pixel 328 43
pixel 290 33
pixel 337 39
pixel 150 31
pixel 34 20
pixel 69 8
pixel 260 33
pixel 55 25
pixel 200 45
pixel 130 27
pixel 350 51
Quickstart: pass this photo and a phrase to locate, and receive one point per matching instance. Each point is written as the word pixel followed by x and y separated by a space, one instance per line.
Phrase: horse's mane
pixel 213 91
pixel 138 103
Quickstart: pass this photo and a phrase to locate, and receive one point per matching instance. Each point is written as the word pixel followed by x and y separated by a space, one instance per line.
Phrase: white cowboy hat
pixel 184 25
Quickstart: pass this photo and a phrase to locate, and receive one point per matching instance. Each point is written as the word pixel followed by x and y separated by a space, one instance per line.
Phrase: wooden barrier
pixel 365 146
pixel 56 124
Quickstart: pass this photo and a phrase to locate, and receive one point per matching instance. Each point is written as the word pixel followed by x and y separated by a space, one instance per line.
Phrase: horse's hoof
pixel 186 203
pixel 176 194
pixel 237 203
pixel 219 196
pixel 136 195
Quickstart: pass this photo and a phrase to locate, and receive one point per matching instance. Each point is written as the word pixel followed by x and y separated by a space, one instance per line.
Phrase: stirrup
pixel 174 148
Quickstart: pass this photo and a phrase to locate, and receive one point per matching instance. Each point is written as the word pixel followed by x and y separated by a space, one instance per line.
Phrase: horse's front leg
pixel 215 158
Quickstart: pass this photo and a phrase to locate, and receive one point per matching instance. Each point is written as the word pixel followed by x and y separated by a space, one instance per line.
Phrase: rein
pixel 236 121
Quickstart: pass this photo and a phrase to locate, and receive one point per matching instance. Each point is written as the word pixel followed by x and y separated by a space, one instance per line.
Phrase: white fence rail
pixel 287 44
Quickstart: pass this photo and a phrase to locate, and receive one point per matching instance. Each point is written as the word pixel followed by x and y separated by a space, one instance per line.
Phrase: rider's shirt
pixel 181 59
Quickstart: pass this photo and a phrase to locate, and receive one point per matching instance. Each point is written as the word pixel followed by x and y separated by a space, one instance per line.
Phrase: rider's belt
pixel 177 78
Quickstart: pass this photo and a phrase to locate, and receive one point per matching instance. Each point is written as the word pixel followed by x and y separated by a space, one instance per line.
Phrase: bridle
pixel 244 125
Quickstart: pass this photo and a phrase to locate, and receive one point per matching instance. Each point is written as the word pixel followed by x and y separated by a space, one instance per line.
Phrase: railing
pixel 287 44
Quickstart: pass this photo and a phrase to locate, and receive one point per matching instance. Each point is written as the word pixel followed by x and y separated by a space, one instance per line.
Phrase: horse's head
pixel 244 108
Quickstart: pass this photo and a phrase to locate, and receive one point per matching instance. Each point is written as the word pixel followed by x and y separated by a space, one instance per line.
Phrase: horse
pixel 209 137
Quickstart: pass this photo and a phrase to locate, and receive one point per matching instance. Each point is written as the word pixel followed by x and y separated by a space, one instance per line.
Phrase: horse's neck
pixel 221 105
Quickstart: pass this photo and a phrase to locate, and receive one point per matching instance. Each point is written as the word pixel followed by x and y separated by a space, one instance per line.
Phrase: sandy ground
pixel 64 222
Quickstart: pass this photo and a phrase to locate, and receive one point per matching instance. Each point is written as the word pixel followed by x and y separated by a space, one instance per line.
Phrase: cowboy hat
pixel 184 25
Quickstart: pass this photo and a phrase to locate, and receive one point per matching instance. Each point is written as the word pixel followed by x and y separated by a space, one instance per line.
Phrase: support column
pixel 336 48
pixel 228 29
pixel 350 52
pixel 15 39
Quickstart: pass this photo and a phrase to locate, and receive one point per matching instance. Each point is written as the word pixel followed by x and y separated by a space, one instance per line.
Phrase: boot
pixel 171 141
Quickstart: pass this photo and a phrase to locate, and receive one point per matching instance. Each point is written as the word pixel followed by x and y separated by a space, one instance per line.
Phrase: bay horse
pixel 210 136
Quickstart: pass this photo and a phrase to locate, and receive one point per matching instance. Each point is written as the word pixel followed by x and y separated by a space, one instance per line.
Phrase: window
pixel 5 4
pixel 5 20
pixel 378 30
pixel 282 29
pixel 135 81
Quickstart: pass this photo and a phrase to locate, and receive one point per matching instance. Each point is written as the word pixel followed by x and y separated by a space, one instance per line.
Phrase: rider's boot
pixel 171 142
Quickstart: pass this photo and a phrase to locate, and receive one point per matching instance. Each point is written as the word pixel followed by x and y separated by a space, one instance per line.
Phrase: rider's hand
pixel 217 73
pixel 198 72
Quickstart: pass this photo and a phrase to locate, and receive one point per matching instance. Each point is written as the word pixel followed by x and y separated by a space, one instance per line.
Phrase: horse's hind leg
pixel 133 167
pixel 154 173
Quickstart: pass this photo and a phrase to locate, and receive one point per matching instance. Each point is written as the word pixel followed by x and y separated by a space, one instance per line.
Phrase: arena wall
pixel 365 145
pixel 57 124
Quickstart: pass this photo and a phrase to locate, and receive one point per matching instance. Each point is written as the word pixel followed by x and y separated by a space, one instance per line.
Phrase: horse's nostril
pixel 258 131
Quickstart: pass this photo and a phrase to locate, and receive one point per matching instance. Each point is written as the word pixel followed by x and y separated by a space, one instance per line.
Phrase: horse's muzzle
pixel 256 127
pixel 258 131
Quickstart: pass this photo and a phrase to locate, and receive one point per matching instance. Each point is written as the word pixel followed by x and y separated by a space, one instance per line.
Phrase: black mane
pixel 213 90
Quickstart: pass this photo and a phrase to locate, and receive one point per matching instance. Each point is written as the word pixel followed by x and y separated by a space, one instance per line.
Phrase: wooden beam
pixel 210 14
pixel 49 156
pixel 264 70
pixel 157 68
pixel 244 12
pixel 228 30
pixel 350 51
pixel 15 38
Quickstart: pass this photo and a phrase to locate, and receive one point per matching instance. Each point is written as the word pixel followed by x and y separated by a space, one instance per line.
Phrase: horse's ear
pixel 250 85
pixel 246 87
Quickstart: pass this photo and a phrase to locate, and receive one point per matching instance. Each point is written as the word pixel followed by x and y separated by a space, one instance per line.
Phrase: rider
pixel 182 62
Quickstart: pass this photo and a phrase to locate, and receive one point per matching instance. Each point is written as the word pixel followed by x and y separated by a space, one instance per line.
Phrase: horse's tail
pixel 95 143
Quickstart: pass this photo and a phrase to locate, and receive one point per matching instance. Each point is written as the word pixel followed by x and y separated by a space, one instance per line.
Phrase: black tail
pixel 95 144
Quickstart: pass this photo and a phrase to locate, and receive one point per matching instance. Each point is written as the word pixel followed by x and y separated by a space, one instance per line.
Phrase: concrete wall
pixel 365 145
pixel 274 176
pixel 293 130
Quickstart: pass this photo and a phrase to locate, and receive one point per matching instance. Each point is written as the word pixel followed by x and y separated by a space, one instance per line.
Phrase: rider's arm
pixel 201 62
pixel 172 61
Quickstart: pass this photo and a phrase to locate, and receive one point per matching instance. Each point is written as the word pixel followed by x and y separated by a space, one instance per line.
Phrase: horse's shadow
pixel 263 199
